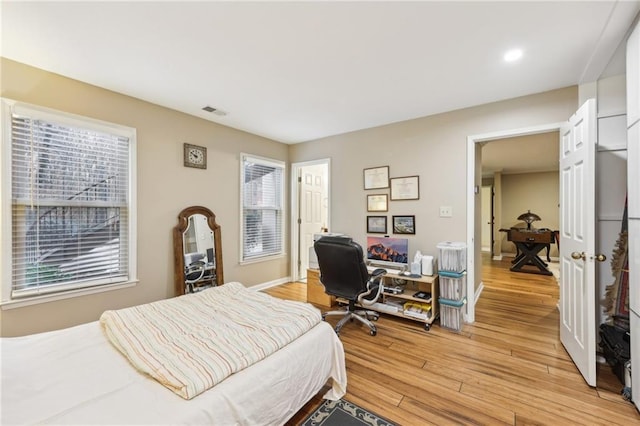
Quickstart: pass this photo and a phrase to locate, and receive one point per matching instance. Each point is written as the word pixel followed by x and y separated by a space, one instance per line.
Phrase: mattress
pixel 75 376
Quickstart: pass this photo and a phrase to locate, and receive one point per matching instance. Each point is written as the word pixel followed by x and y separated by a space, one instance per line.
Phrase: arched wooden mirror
pixel 197 246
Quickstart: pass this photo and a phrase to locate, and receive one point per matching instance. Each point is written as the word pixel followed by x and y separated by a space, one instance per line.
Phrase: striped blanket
pixel 191 343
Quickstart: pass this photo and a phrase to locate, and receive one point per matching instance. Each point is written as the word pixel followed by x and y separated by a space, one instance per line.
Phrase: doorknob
pixel 575 255
pixel 600 257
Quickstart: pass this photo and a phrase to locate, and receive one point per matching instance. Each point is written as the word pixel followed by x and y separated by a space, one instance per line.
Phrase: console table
pixel 529 243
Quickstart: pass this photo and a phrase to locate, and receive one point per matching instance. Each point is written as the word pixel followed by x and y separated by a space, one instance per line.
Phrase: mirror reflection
pixel 199 254
pixel 197 246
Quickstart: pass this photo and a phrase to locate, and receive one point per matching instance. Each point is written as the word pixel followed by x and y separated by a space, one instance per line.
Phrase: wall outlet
pixel 446 211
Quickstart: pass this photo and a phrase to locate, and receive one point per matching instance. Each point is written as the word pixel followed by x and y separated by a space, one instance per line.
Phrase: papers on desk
pixel 384 307
pixel 418 310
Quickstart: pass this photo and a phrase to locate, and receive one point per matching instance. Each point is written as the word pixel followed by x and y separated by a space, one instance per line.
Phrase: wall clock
pixel 195 156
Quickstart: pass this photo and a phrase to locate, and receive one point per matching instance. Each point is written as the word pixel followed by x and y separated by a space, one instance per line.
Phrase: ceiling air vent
pixel 216 111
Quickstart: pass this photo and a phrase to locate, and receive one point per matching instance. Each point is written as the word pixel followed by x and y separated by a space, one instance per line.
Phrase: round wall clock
pixel 195 156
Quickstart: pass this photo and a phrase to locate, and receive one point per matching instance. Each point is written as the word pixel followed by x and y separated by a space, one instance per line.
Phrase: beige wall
pixel 538 192
pixel 432 147
pixel 164 188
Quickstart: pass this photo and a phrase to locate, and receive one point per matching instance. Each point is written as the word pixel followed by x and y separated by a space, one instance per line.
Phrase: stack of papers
pixel 417 310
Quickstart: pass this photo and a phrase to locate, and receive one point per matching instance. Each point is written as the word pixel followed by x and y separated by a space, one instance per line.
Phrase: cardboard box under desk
pixel 315 290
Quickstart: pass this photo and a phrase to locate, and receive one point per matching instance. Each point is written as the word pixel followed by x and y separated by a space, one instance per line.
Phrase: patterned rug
pixel 344 413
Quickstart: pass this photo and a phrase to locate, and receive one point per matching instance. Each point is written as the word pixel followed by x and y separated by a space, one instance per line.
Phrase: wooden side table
pixel 315 290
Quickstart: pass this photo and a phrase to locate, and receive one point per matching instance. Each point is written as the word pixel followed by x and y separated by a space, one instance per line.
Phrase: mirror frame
pixel 178 245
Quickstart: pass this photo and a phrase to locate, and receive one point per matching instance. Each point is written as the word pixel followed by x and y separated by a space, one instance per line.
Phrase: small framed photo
pixel 377 203
pixel 404 224
pixel 376 177
pixel 376 224
pixel 405 188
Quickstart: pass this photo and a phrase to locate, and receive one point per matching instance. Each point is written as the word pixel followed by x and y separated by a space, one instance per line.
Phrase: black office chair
pixel 193 273
pixel 344 275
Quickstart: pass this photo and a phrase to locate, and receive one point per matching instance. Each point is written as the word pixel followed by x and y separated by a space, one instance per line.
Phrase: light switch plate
pixel 446 211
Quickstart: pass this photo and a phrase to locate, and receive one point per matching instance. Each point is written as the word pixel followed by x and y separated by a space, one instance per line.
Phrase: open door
pixel 310 210
pixel 577 239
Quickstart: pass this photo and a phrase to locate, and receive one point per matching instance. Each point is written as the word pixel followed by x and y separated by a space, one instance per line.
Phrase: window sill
pixel 262 259
pixel 20 303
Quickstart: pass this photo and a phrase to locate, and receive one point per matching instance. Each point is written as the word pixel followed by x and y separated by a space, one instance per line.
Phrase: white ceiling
pixel 522 154
pixel 298 71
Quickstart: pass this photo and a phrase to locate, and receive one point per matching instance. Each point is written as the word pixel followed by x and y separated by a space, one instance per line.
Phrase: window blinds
pixel 262 207
pixel 69 196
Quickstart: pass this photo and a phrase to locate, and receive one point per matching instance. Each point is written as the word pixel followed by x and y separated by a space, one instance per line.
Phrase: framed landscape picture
pixel 376 224
pixel 404 224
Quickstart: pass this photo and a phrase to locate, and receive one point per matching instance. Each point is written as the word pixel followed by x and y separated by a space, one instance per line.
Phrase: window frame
pixel 283 218
pixel 7 108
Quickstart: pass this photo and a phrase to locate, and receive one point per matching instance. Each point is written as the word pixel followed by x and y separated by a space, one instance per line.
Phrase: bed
pixel 77 376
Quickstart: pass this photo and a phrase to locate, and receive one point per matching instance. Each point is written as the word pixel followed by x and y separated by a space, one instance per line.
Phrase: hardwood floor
pixel 509 367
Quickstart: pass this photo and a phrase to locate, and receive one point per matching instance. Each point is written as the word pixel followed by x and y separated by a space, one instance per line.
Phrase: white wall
pixel 611 177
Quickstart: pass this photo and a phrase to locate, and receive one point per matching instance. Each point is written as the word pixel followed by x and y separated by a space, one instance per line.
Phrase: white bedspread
pixel 193 342
pixel 75 376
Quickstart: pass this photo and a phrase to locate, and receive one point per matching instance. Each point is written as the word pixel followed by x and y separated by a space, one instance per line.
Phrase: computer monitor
pixel 388 252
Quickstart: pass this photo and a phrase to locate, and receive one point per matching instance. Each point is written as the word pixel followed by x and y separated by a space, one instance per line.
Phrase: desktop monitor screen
pixel 386 251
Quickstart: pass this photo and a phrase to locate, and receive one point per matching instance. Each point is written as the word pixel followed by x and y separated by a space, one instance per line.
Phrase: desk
pixel 315 290
pixel 529 243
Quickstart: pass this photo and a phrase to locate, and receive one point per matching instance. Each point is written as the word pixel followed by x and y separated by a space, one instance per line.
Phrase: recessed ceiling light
pixel 513 55
pixel 216 111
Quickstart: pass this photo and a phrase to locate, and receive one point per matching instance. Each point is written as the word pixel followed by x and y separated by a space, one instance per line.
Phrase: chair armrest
pixel 376 273
pixel 374 285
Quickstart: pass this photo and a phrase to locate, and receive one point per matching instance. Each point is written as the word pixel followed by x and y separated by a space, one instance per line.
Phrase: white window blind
pixel 69 204
pixel 262 184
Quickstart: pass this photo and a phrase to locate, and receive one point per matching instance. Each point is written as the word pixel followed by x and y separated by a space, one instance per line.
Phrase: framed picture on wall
pixel 376 224
pixel 405 188
pixel 377 203
pixel 404 224
pixel 376 177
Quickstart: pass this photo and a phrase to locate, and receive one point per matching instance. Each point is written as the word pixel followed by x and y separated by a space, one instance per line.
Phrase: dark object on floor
pixel 614 342
pixel 344 413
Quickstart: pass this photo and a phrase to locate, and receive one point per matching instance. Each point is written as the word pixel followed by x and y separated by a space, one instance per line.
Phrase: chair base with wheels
pixel 352 313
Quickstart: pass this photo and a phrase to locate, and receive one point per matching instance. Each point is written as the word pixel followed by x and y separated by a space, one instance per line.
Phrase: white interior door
pixel 313 209
pixel 577 239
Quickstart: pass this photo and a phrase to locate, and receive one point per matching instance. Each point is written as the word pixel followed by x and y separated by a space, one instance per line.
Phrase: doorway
pixel 310 197
pixel 474 224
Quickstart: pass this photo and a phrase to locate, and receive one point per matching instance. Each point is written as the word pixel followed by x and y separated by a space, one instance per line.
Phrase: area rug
pixel 344 413
pixel 554 267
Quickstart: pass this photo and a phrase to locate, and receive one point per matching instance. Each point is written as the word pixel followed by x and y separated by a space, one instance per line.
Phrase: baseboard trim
pixel 270 284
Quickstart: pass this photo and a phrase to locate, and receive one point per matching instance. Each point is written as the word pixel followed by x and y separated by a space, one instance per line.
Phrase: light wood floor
pixel 509 367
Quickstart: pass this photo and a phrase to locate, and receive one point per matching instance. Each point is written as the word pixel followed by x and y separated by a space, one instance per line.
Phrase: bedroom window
pixel 68 180
pixel 262 192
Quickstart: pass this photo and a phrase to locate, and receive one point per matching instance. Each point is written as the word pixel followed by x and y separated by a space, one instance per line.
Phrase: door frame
pixel 491 218
pixel 294 242
pixel 474 166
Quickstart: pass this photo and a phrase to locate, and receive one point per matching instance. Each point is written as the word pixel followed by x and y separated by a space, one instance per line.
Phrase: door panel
pixel 313 216
pixel 577 239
